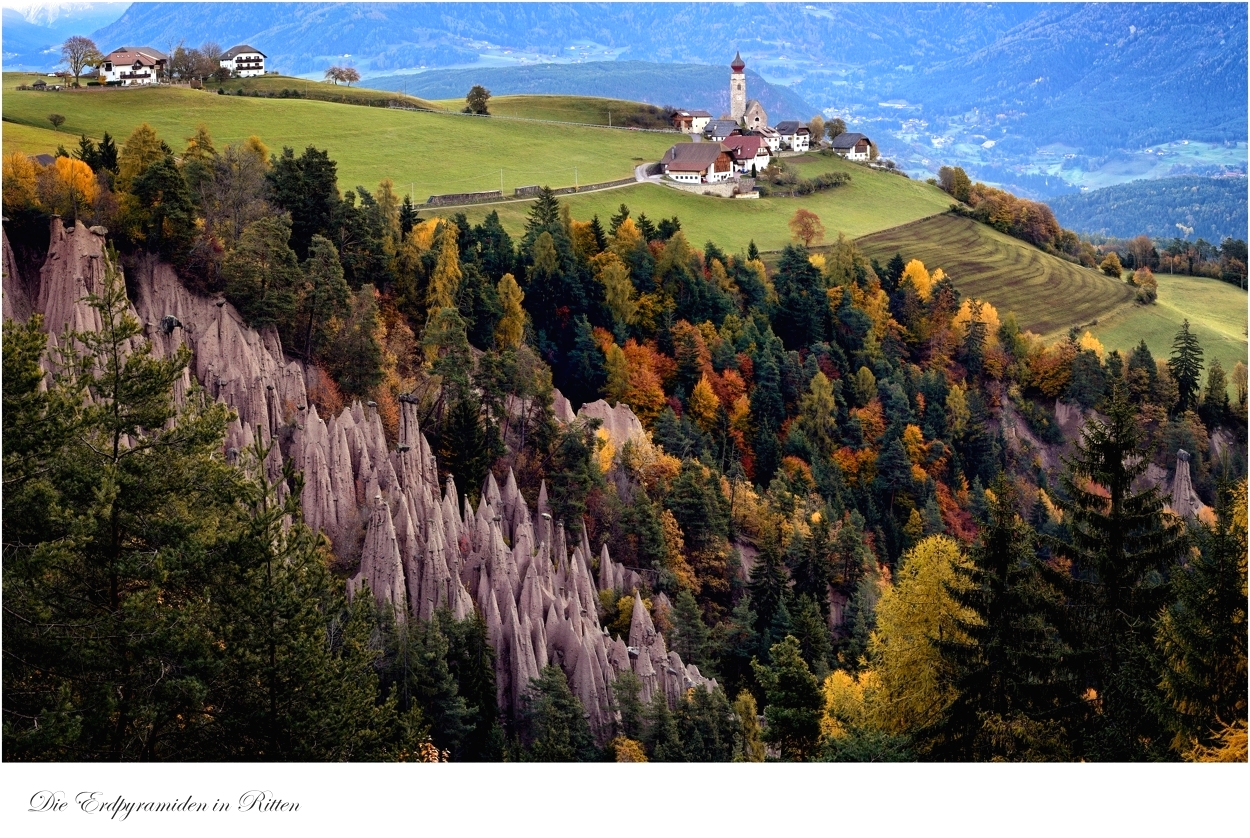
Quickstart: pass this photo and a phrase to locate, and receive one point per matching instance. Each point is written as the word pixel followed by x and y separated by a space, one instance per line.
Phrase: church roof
pixel 738 64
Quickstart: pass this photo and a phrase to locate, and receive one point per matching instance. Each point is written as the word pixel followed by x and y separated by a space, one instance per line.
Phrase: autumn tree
pixel 511 327
pixel 805 226
pixel 79 52
pixel 835 128
pixel 912 615
pixel 475 101
pixel 1111 266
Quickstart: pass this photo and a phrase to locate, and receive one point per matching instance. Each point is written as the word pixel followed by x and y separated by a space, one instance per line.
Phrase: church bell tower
pixel 737 88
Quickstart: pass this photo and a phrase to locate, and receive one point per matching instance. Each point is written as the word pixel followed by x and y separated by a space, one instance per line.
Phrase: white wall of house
pixel 685 177
pixel 127 74
pixel 698 123
pixel 797 142
pixel 852 154
pixel 245 64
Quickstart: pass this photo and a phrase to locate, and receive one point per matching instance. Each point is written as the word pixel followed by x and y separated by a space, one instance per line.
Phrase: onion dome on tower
pixel 738 64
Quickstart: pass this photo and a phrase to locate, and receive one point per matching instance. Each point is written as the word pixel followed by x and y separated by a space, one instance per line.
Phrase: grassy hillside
pixel 321 91
pixel 1047 294
pixel 31 139
pixel 872 201
pixel 586 110
pixel 427 152
pixel 1216 312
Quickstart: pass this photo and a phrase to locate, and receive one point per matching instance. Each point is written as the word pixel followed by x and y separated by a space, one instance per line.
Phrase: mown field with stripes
pixel 1047 294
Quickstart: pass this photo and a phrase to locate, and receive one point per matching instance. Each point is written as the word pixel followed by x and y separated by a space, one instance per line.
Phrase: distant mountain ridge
pixel 1210 208
pixel 680 85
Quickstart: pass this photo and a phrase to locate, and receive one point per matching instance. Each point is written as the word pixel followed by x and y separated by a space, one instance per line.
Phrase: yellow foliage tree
pixel 846 699
pixel 1088 341
pixel 20 182
pixel 388 207
pixel 914 686
pixel 627 750
pixel 627 238
pixel 141 149
pixel 511 327
pixel 748 721
pixel 987 315
pixel 618 288
pixel 919 277
pixel 255 145
pixel 445 280
pixel 703 405
pixel 675 553
pixel 71 187
pixel 616 365
pixel 584 244
pixel 818 413
pixel 200 147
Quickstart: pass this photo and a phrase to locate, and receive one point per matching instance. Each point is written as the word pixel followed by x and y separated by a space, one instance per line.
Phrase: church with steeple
pixel 748 113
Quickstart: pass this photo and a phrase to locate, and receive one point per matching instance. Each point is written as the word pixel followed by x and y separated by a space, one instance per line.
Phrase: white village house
pixel 853 146
pixel 132 65
pixel 244 61
pixel 750 153
pixel 794 135
pixel 698 163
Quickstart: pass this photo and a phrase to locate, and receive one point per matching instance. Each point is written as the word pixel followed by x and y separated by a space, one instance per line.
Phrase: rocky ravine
pixel 420 548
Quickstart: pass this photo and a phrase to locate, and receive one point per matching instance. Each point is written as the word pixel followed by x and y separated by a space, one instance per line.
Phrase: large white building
pixel 133 65
pixel 244 61
pixel 698 163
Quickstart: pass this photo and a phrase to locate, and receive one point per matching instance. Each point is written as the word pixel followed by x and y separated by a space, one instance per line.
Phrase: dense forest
pixel 852 495
pixel 1177 207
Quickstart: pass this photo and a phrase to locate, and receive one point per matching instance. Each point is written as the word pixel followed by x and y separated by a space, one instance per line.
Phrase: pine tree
pixel 794 702
pixel 705 726
pixel 325 294
pixel 812 632
pixel 661 738
pixel 1122 550
pixel 615 222
pixel 466 447
pixel 768 586
pixel 689 634
pixel 1201 637
pixel 554 722
pixel 1006 656
pixel 1186 367
pixel 407 216
pixel 625 691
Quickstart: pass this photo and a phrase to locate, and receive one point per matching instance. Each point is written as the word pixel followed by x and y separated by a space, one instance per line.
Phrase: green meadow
pixel 872 201
pixel 30 139
pixel 1216 312
pixel 425 153
pixel 584 110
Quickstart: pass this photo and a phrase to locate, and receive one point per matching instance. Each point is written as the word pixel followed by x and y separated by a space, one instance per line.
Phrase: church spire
pixel 738 64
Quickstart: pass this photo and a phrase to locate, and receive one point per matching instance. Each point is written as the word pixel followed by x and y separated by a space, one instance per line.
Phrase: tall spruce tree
pixel 1202 634
pixel 1186 367
pixel 1007 662
pixel 794 702
pixel 1122 549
